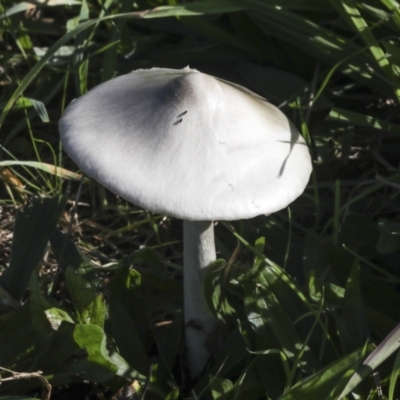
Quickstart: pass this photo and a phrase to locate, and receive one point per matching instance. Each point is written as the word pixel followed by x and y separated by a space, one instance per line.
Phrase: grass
pixel 308 300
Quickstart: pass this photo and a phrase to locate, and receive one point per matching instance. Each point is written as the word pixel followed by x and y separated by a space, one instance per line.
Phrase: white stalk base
pixel 198 254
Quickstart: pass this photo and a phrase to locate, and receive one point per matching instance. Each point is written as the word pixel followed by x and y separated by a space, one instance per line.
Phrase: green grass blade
pixel 196 8
pixel 110 55
pixel 385 349
pixel 338 114
pixel 40 64
pixel 51 169
pixel 297 5
pixel 322 43
pixel 320 385
pixel 394 377
pixel 393 6
pixel 350 12
pixel 206 7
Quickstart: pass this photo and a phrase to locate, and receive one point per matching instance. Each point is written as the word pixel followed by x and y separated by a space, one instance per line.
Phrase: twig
pixel 28 375
pixel 231 261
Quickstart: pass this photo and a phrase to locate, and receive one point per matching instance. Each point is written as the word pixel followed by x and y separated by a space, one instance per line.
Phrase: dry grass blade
pixel 49 168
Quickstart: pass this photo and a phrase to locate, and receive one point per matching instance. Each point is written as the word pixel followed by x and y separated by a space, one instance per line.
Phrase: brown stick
pixel 28 375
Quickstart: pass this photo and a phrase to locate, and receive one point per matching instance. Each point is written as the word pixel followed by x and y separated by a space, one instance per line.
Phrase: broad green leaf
pixel 84 298
pixel 32 229
pixel 98 311
pixel 126 286
pixel 151 259
pixel 65 251
pixel 56 316
pixel 92 339
pixel 125 370
pixel 40 108
pixel 174 395
pixel 219 387
pixel 18 337
pixel 39 304
pixel 320 291
pixel 125 310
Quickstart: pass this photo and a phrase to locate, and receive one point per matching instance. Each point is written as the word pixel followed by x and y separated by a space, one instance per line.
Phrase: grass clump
pixel 307 299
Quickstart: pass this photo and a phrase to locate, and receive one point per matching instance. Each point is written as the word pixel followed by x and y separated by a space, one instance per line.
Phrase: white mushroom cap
pixel 188 145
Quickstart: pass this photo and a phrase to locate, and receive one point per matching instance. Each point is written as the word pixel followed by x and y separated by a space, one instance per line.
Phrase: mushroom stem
pixel 198 255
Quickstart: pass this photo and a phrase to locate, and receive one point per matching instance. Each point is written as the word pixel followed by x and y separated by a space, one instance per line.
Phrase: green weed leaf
pixel 93 340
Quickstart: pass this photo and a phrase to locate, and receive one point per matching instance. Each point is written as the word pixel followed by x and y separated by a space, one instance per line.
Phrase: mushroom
pixel 191 146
